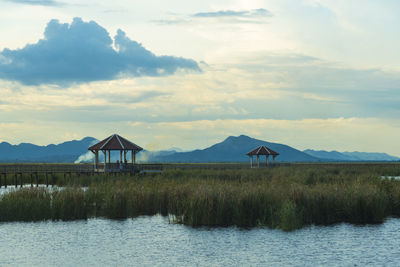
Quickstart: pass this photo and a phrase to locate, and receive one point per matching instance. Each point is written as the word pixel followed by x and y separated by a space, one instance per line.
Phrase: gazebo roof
pixel 262 150
pixel 115 142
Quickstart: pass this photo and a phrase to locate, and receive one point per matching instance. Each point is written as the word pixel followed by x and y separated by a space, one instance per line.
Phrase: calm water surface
pixel 152 241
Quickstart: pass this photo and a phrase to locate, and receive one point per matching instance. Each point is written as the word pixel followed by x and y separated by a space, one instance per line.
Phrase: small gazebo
pixel 262 150
pixel 117 143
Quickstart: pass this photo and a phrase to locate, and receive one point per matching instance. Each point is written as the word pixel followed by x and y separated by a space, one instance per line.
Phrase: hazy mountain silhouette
pixel 350 156
pixel 61 153
pixel 232 149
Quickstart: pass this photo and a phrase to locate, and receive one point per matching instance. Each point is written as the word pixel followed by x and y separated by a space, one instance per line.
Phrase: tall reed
pixel 283 197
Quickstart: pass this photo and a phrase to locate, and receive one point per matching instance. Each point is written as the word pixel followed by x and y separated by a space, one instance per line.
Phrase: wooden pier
pixel 46 174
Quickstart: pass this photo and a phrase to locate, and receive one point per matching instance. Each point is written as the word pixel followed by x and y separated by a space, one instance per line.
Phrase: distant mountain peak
pixel 234 149
pixel 241 137
pixel 88 138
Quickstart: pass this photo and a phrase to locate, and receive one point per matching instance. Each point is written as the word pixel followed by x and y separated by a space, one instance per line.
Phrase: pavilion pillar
pixel 273 159
pixel 96 159
pixel 109 156
pixel 258 161
pixel 266 159
pixel 251 161
pixel 124 156
pixel 133 156
pixel 120 156
pixel 105 160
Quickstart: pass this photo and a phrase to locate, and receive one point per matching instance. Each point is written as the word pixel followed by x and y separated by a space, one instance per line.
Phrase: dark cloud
pixel 84 52
pixel 261 12
pixel 37 2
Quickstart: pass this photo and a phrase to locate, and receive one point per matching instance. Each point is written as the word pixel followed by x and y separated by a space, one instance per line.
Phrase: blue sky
pixel 308 73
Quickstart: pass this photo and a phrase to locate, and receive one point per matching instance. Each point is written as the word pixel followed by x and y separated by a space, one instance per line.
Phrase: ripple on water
pixel 152 241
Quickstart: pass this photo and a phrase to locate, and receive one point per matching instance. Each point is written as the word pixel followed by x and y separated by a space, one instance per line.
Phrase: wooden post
pixel 5 180
pixel 124 156
pixel 15 180
pixel 97 158
pixel 21 179
pixel 266 159
pixel 37 179
pixel 258 161
pixel 47 179
pixel 120 156
pixel 96 153
pixel 251 161
pixel 109 156
pixel 105 160
pixel 31 179
pixel 1 176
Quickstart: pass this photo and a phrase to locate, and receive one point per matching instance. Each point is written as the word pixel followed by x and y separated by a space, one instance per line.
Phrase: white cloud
pixel 316 75
pixel 83 52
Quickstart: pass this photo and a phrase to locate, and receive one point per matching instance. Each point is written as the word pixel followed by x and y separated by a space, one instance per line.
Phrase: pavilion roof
pixel 115 142
pixel 262 150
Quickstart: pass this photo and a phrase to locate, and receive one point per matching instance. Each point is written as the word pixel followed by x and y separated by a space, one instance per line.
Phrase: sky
pixel 312 74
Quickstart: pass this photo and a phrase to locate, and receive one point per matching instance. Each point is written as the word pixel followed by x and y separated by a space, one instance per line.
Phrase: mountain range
pixel 232 149
pixel 62 153
pixel 350 156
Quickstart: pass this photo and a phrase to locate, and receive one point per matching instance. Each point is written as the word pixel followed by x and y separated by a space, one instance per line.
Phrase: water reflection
pixel 149 241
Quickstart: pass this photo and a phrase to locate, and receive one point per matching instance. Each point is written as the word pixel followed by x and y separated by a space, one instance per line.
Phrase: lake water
pixel 152 241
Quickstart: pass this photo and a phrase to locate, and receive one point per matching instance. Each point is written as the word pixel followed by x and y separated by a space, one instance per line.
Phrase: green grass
pixel 287 198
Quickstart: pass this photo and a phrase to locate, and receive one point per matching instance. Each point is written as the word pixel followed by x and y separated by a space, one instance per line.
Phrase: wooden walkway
pixel 46 173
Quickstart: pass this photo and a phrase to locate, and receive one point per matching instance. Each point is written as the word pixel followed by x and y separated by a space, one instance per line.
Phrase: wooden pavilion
pixel 117 143
pixel 262 150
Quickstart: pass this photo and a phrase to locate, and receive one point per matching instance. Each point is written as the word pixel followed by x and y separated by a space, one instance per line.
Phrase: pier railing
pixel 115 167
pixel 78 168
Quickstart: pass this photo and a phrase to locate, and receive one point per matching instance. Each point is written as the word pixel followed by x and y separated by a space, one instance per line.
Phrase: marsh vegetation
pixel 286 197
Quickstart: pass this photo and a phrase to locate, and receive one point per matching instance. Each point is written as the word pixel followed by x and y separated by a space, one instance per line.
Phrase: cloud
pixel 83 52
pixel 37 2
pixel 129 99
pixel 254 13
pixel 256 16
pixel 172 21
